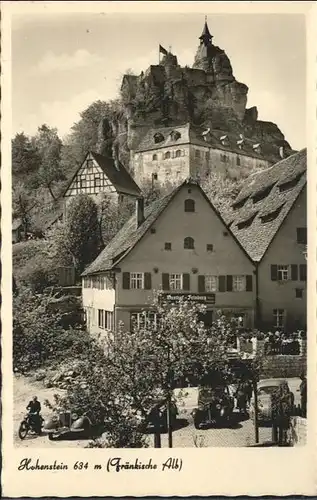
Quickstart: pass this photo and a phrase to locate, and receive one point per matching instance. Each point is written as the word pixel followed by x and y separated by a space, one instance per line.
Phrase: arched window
pixel 189 205
pixel 178 153
pixel 167 155
pixel 154 157
pixel 189 243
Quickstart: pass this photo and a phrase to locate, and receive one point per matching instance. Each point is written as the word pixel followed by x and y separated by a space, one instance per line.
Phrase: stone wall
pixel 283 366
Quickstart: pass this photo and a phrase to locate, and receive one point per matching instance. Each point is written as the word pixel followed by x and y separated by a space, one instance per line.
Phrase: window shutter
pixel 201 283
pixel 125 281
pixel 229 283
pixel 222 283
pixel 294 272
pixel 147 281
pixel 303 272
pixel 186 282
pixel 274 272
pixel 249 282
pixel 165 281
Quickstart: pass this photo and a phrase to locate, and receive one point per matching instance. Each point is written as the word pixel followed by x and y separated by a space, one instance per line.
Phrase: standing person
pixel 303 395
pixel 282 409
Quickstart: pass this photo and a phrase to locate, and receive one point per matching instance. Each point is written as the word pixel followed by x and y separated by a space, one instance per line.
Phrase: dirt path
pixel 24 389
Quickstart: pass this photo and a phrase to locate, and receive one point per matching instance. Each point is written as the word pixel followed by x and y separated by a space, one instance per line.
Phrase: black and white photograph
pixel 159 165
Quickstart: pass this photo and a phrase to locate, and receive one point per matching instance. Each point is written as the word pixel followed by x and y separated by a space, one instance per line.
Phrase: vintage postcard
pixel 159 245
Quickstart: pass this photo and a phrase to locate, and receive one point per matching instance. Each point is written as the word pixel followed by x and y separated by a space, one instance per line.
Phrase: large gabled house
pixel 99 175
pixel 269 219
pixel 180 245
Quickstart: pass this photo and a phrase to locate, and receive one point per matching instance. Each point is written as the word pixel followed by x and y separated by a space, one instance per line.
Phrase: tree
pixel 84 135
pixel 222 191
pixel 49 147
pixel 112 217
pixel 82 231
pixel 25 159
pixel 140 365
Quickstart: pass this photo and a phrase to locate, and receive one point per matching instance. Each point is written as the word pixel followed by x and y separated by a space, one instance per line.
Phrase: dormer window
pixel 167 155
pixel 271 215
pixel 290 184
pixel 260 195
pixel 154 157
pixel 247 221
pixel 175 135
pixel 224 140
pixel 240 142
pixel 206 134
pixel 257 148
pixel 158 138
pixel 239 204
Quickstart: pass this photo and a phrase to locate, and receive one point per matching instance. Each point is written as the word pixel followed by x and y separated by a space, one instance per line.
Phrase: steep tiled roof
pixel 275 206
pixel 147 143
pixel 194 135
pixel 130 234
pixel 120 177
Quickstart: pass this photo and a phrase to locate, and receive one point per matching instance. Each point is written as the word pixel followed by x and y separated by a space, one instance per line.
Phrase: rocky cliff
pixel 206 95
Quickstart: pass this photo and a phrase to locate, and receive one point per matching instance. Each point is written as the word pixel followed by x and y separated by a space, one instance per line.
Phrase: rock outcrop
pixel 206 95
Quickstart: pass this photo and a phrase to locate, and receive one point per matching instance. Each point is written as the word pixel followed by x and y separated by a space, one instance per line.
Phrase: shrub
pixel 38 337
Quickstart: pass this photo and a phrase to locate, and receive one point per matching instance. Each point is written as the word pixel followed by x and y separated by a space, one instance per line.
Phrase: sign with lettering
pixel 204 298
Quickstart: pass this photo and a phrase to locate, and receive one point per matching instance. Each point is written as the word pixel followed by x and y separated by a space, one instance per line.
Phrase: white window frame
pixel 282 273
pixel 176 279
pixel 97 178
pixel 211 283
pixel 279 318
pixel 142 319
pixel 106 318
pixel 137 281
pixel 239 283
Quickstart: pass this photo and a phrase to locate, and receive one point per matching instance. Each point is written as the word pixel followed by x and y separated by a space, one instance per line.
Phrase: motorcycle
pixel 28 424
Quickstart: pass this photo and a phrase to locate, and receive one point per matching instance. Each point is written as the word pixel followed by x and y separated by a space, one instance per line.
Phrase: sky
pixel 63 62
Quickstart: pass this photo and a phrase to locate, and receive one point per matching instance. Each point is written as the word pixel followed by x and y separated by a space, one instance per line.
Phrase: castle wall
pixel 189 160
pixel 168 170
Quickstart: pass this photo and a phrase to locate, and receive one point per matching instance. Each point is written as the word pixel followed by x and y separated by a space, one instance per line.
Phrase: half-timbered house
pixel 99 175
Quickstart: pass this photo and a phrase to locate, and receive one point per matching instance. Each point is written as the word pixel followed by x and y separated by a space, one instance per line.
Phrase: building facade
pixel 170 155
pixel 270 221
pixel 180 259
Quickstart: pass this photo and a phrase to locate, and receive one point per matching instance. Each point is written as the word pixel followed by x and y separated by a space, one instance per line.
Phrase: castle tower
pixel 206 38
pixel 212 59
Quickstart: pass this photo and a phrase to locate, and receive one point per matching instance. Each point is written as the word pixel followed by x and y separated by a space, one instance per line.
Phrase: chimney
pixel 139 209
